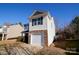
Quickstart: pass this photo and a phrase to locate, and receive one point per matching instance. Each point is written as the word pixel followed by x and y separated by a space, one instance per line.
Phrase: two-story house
pixel 41 28
pixel 11 31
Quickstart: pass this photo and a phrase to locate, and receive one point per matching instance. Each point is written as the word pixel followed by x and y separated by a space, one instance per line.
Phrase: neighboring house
pixel 3 32
pixel 25 33
pixel 14 31
pixel 11 31
pixel 41 29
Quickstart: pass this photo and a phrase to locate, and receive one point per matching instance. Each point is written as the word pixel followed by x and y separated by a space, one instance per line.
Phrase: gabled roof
pixel 38 13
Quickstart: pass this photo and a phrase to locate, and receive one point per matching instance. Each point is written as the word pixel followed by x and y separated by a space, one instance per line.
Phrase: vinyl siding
pixel 14 31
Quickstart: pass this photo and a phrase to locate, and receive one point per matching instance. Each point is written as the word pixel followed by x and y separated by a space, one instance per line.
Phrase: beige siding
pixel 14 31
pixel 51 30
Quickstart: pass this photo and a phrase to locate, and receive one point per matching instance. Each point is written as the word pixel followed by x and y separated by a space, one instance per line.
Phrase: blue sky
pixel 62 13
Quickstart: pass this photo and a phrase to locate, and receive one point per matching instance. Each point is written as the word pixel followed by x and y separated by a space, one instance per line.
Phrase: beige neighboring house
pixel 11 31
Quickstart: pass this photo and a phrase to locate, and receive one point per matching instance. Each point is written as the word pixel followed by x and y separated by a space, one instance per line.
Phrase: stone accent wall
pixel 45 38
pixel 29 37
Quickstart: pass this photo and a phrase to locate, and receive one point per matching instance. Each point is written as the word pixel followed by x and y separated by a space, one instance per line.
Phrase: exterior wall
pixel 3 29
pixel 38 27
pixel 51 30
pixel 14 31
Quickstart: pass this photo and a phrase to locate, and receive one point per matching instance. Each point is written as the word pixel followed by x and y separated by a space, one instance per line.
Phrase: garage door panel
pixel 37 39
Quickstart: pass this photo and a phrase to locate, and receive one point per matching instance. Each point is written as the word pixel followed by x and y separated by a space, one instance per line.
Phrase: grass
pixel 51 50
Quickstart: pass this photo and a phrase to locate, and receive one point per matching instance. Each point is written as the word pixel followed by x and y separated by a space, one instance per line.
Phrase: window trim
pixel 38 21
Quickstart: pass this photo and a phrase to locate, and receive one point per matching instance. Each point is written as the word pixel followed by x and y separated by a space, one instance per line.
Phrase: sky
pixel 13 13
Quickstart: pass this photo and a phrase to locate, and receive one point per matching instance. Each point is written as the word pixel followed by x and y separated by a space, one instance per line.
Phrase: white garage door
pixel 37 39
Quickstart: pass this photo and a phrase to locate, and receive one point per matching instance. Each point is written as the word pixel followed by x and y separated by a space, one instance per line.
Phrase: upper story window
pixel 38 21
pixel 34 21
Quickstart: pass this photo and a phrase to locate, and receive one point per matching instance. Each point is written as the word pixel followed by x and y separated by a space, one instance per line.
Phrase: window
pixel 33 22
pixel 38 21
